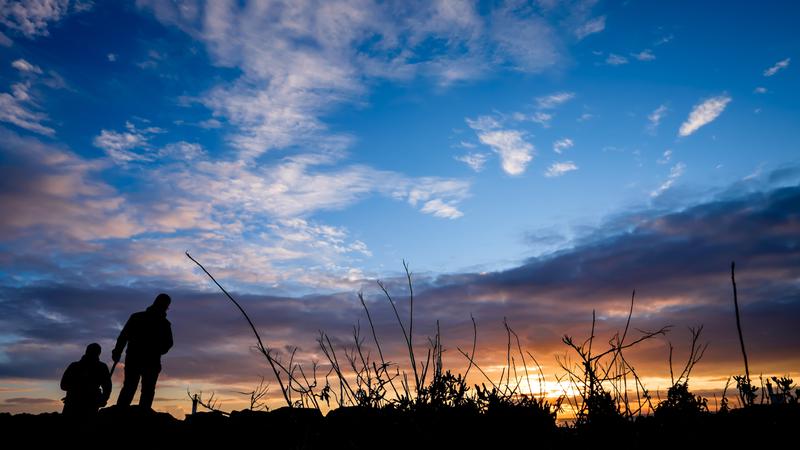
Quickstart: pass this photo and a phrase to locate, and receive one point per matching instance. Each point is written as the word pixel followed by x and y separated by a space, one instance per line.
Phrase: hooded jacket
pixel 148 335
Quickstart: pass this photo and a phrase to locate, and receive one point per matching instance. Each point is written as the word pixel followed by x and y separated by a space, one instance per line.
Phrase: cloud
pixel 5 41
pixel 616 60
pixel 644 55
pixel 25 66
pixel 780 65
pixel 666 157
pixel 704 113
pixel 674 173
pixel 111 57
pixel 562 144
pixel 554 100
pixel 440 209
pixel 50 191
pixel 326 55
pixel 545 297
pixel 18 108
pixel 119 145
pixel 558 169
pixel 475 161
pixel 655 117
pixel 32 17
pixel 664 40
pixel 760 90
pixel 592 26
pixel 515 153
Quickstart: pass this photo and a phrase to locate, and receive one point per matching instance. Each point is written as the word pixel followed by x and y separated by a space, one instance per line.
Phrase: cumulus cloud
pixel 704 113
pixel 558 169
pixel 780 65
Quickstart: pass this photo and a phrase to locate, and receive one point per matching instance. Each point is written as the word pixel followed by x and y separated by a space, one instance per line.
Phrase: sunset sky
pixel 530 160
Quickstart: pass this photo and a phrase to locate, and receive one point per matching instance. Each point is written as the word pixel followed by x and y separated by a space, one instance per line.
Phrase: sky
pixel 530 160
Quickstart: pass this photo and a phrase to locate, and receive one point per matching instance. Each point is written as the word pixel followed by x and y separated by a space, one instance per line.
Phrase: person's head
pixel 161 303
pixel 93 350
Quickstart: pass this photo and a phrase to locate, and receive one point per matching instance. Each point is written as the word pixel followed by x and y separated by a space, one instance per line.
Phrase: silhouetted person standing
pixel 148 335
pixel 88 384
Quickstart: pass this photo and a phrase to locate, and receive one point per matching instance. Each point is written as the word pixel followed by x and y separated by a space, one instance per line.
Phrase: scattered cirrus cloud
pixel 475 161
pixel 592 26
pixel 25 66
pixel 760 90
pixel 644 55
pixel 654 118
pixel 674 173
pixel 31 18
pixel 616 60
pixel 553 100
pixel 780 65
pixel 562 144
pixel 665 157
pixel 120 146
pixel 558 169
pixel 704 113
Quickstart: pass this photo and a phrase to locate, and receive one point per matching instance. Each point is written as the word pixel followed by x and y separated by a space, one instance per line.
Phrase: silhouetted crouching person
pixel 148 335
pixel 88 384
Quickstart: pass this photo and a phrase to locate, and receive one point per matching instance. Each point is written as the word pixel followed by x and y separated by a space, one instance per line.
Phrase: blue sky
pixel 306 148
pixel 396 96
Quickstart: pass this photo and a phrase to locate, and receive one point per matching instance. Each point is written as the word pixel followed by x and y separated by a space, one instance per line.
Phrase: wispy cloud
pixel 644 55
pixel 562 144
pixel 554 100
pixel 674 173
pixel 704 113
pixel 592 26
pixel 558 169
pixel 25 66
pixel 655 117
pixel 19 109
pixel 32 17
pixel 760 90
pixel 120 145
pixel 616 60
pixel 780 65
pixel 441 209
pixel 475 161
pixel 666 157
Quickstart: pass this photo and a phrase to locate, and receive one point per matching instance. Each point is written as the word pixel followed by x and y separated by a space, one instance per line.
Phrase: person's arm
pixel 67 379
pixel 106 385
pixel 167 339
pixel 122 340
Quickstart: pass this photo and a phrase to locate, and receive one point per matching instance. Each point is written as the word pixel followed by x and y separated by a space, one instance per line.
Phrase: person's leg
pixel 149 379
pixel 132 374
